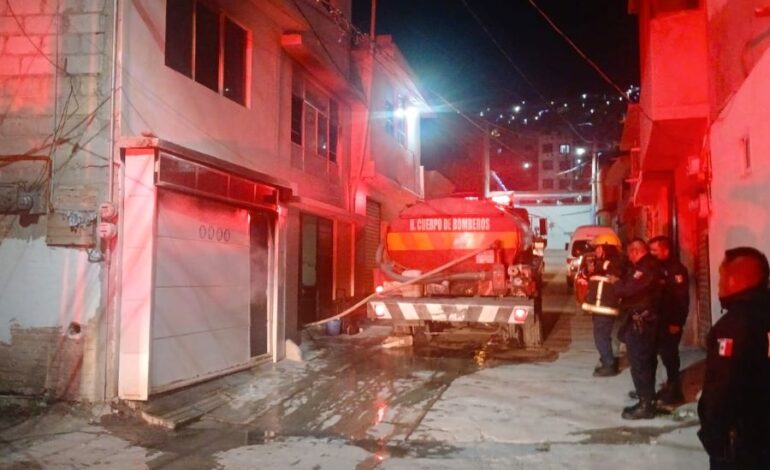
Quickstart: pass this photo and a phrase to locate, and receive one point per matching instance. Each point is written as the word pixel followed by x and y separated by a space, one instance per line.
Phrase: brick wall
pixel 55 79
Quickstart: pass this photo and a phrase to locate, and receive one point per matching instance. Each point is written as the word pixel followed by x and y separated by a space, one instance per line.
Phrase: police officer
pixel 639 291
pixel 605 261
pixel 734 408
pixel 674 305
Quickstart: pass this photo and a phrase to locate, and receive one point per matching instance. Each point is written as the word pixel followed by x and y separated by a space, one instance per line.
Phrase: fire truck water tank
pixel 431 233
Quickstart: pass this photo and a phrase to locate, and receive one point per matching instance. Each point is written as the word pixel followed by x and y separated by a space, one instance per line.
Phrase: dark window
pixel 323 136
pixel 179 30
pixel 547 148
pixel 334 129
pixel 296 119
pixel 314 119
pixel 547 164
pixel 547 183
pixel 194 47
pixel 389 127
pixel 400 121
pixel 206 47
pixel 235 62
pixel 581 246
pixel 563 166
pixel 564 184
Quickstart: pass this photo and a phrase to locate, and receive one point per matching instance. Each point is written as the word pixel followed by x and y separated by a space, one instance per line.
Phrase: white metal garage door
pixel 200 322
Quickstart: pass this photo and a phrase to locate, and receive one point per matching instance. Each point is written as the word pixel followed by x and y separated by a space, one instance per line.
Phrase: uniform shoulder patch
pixel 638 274
pixel 725 347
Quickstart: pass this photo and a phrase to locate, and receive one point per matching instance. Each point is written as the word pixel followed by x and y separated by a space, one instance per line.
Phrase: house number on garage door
pixel 210 232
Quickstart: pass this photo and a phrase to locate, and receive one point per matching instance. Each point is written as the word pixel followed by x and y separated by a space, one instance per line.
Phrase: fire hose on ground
pixel 414 280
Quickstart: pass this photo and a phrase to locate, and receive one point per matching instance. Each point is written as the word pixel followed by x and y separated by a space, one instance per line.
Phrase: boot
pixel 671 394
pixel 606 371
pixel 633 395
pixel 645 409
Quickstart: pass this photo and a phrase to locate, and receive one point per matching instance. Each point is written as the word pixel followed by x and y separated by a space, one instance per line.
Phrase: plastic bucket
pixel 333 327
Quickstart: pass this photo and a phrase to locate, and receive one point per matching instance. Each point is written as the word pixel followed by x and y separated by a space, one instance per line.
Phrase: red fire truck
pixel 461 261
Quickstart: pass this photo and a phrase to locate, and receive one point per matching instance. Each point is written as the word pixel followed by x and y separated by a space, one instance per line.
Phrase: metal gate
pixel 703 284
pixel 366 249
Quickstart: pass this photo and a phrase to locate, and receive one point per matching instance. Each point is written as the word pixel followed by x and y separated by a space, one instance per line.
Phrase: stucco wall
pixel 740 196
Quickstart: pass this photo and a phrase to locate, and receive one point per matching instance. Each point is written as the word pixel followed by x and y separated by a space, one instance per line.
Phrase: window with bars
pixel 204 44
pixel 315 119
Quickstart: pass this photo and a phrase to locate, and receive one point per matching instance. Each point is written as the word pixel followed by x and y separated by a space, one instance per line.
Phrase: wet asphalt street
pixel 461 403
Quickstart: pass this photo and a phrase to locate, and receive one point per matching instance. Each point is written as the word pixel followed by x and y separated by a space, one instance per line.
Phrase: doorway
pixel 316 268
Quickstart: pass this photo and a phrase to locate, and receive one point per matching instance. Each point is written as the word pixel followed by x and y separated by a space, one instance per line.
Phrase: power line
pixel 577 49
pixel 518 70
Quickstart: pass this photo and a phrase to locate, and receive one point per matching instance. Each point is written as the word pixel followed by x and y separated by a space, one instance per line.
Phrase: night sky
pixel 452 55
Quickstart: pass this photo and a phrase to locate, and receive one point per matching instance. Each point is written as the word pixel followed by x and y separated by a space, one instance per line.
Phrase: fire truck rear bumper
pixel 451 310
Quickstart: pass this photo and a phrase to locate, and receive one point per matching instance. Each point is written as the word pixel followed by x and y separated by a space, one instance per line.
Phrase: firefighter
pixel 639 290
pixel 606 261
pixel 675 303
pixel 734 408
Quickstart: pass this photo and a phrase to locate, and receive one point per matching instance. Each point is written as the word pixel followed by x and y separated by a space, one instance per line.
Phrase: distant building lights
pixel 580 151
pixel 527 165
pixel 481 113
pixel 516 108
pixel 584 95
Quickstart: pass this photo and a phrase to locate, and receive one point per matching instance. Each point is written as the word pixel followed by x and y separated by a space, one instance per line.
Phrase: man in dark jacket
pixel 674 305
pixel 639 290
pixel 734 408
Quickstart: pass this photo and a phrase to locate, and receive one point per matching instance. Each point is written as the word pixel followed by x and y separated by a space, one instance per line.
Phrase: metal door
pixel 200 320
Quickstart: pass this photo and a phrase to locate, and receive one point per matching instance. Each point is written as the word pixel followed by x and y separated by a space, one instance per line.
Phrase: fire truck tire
pixel 421 335
pixel 532 331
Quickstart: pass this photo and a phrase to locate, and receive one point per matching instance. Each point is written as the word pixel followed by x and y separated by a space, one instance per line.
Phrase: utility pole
pixel 373 20
pixel 594 181
pixel 485 157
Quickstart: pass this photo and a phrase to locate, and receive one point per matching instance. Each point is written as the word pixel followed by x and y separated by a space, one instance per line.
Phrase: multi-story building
pixel 702 122
pixel 185 184
pixel 562 162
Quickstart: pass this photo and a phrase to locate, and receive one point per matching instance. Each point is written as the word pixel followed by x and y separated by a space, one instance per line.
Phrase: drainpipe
pixel 112 295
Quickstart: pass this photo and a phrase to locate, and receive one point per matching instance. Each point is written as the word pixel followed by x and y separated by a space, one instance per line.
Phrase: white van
pixel 579 243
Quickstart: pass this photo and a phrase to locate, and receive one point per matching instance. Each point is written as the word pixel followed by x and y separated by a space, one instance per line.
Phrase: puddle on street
pixel 364 396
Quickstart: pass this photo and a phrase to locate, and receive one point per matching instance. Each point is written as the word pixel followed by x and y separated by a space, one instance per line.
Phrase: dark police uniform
pixel 734 408
pixel 674 305
pixel 640 291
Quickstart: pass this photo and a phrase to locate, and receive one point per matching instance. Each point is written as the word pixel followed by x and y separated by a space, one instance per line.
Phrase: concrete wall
pixel 562 221
pixel 55 80
pixel 740 198
pixel 160 101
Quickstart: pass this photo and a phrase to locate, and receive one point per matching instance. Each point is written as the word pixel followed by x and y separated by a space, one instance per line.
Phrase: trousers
pixel 640 334
pixel 668 349
pixel 603 325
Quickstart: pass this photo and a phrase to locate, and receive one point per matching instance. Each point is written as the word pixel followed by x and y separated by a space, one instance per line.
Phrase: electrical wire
pixel 577 49
pixel 521 73
pixel 24 33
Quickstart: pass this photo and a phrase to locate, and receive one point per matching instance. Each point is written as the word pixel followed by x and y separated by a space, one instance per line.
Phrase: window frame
pixel 330 115
pixel 222 20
